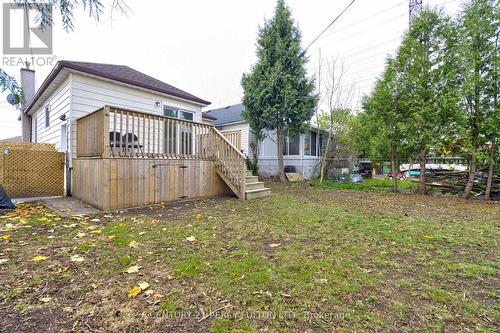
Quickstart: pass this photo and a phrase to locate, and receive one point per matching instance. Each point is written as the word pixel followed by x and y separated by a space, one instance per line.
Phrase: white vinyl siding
pixel 90 94
pixel 245 136
pixel 59 104
pixel 268 160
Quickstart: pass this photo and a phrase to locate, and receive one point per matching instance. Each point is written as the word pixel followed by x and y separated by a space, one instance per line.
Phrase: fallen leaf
pixel 136 290
pixel 5 237
pixel 199 217
pixel 111 237
pixel 274 245
pixel 80 234
pixel 45 299
pixel 191 239
pixel 39 258
pixel 133 269
pixel 3 261
pixel 77 258
pixel 133 244
pixel 143 285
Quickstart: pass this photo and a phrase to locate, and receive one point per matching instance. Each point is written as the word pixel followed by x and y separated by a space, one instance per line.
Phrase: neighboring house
pixel 301 153
pixel 161 122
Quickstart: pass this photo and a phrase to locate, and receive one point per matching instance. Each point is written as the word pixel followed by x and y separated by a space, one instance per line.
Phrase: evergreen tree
pixel 426 75
pixel 278 95
pixel 383 109
pixel 479 30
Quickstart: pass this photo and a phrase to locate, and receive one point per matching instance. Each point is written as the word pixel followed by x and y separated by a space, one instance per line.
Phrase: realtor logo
pixel 23 36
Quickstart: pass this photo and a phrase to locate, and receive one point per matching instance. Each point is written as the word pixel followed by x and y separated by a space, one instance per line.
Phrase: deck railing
pixel 230 162
pixel 113 132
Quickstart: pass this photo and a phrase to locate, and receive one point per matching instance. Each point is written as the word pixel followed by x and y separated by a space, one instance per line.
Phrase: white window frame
pixel 47 110
pixel 178 127
pixel 35 129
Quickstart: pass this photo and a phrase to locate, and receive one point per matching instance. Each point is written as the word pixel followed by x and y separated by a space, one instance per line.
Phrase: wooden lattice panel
pixel 32 170
pixel 27 146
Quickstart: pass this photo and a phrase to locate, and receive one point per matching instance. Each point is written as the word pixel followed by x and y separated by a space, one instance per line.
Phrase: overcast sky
pixel 203 47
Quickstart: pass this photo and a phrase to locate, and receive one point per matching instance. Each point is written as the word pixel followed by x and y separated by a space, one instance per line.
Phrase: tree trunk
pixel 324 157
pixel 421 181
pixel 487 193
pixel 393 168
pixel 472 176
pixel 280 143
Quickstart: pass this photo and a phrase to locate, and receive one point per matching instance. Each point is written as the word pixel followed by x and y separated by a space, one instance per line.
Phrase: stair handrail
pixel 234 176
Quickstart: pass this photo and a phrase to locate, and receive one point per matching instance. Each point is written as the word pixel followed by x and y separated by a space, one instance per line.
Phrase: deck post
pixel 105 131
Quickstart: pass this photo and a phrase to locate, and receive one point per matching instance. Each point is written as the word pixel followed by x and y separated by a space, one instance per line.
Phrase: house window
pixel 322 143
pixel 169 112
pixel 291 146
pixel 47 116
pixel 178 137
pixel 186 115
pixel 313 144
pixel 64 138
pixel 307 144
pixel 35 129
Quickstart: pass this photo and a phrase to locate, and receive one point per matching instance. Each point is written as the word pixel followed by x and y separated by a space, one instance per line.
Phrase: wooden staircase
pixel 253 188
pixel 231 167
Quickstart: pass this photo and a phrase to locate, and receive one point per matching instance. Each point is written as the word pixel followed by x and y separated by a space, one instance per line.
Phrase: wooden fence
pixel 31 169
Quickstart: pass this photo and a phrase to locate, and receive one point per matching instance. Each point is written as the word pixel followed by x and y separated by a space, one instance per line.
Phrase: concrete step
pixel 251 179
pixel 249 173
pixel 258 193
pixel 254 186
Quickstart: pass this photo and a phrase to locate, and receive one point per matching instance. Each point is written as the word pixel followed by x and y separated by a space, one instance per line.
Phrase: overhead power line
pixel 310 44
pixel 367 18
pixel 328 26
pixel 370 28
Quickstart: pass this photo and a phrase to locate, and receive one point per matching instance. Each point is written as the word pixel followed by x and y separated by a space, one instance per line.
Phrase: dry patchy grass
pixel 304 260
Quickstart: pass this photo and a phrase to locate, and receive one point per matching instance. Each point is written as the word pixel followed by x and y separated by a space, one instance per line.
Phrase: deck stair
pixel 255 189
pixel 231 167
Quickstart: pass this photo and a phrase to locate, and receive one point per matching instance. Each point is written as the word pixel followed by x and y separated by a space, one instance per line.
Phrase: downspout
pixel 69 146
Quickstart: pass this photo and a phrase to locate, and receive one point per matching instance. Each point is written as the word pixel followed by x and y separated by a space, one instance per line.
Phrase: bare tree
pixel 338 100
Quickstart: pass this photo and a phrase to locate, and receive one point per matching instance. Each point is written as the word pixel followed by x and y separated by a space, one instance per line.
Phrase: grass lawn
pixel 304 260
pixel 367 184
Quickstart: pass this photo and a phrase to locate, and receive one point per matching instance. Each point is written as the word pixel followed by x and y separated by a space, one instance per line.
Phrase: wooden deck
pixel 127 158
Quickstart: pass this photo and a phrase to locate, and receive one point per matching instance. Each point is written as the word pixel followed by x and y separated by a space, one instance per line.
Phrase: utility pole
pixel 414 9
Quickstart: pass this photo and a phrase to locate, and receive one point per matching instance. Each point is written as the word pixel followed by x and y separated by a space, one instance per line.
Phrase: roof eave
pixel 63 64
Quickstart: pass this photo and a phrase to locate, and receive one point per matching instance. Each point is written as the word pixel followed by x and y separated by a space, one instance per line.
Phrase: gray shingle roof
pixel 228 114
pixel 118 73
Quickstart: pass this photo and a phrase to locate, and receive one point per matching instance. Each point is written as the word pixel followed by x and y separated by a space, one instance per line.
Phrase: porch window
pixel 322 143
pixel 314 149
pixel 291 146
pixel 307 144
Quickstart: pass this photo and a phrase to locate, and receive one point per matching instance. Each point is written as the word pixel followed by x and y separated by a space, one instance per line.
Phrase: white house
pixel 301 153
pixel 74 89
